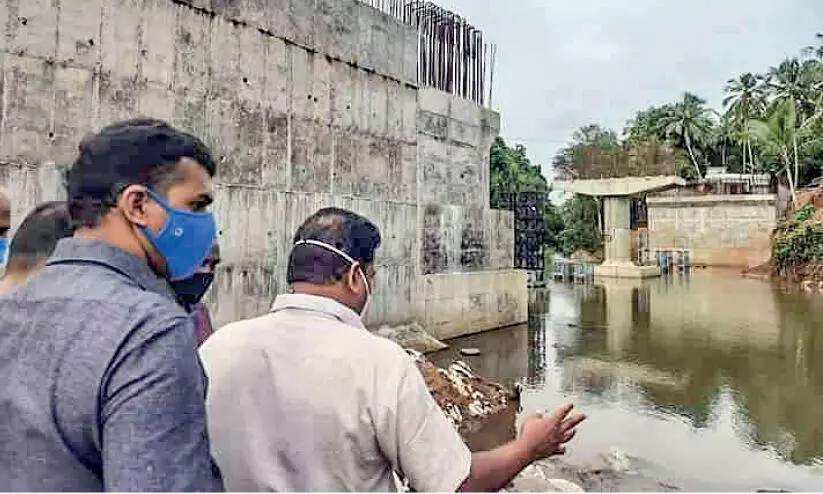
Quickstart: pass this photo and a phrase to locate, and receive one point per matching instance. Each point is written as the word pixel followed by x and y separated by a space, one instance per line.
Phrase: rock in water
pixel 470 352
pixel 412 336
pixel 618 461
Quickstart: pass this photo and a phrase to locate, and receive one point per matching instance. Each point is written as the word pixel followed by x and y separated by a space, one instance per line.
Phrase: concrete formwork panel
pixel 79 34
pixel 192 56
pixel 120 50
pixel 71 117
pixel 312 154
pixel 342 96
pixel 321 80
pixel 336 31
pixel 251 83
pixel 118 98
pixel 345 149
pixel 33 32
pixel 411 45
pixel 159 26
pixel 460 304
pixel 190 113
pixel 394 111
pixel 408 98
pixel 28 84
pixel 224 58
pixel 156 101
pixel 434 101
pixel 29 186
pixel 277 85
pixel 302 15
pixel 276 160
pixel 378 95
pixel 302 104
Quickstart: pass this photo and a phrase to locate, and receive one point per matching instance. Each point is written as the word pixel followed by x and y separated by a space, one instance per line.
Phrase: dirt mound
pixel 813 197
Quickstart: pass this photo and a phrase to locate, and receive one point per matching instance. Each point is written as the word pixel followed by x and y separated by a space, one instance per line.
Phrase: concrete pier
pixel 615 195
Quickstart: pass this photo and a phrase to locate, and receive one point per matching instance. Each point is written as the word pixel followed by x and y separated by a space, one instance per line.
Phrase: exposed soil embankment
pixel 797 246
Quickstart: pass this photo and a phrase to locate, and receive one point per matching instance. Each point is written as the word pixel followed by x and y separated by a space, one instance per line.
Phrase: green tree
pixel 555 225
pixel 690 123
pixel 778 135
pixel 724 136
pixel 746 100
pixel 511 170
pixel 581 231
pixel 645 126
pixel 797 82
pixel 568 160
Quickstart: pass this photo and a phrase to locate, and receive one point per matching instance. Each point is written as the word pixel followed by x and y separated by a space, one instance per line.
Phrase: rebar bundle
pixel 453 55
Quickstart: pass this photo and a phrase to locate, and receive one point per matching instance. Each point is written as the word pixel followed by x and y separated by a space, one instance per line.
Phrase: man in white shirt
pixel 306 399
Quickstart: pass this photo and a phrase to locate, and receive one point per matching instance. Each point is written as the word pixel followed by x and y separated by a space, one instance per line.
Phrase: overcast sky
pixel 566 63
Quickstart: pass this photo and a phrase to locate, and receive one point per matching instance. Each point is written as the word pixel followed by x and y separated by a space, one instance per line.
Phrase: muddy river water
pixel 706 382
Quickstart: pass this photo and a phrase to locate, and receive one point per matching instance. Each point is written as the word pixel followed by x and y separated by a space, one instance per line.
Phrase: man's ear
pixel 351 277
pixel 133 202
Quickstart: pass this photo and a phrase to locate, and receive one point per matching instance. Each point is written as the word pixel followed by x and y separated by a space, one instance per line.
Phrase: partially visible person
pixel 190 292
pixel 34 242
pixel 306 399
pixel 102 388
pixel 5 226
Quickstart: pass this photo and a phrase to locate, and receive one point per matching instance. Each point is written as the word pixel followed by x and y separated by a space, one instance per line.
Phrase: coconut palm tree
pixel 690 122
pixel 746 100
pixel 778 135
pixel 815 51
pixel 725 134
pixel 797 82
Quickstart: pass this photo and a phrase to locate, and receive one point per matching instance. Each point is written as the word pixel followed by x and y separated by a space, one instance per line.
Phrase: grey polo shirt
pixel 101 387
pixel 306 399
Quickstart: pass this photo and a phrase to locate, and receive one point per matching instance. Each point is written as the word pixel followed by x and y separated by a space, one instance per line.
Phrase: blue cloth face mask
pixel 184 241
pixel 4 251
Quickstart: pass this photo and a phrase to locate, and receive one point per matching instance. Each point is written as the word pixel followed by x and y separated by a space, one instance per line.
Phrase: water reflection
pixel 711 379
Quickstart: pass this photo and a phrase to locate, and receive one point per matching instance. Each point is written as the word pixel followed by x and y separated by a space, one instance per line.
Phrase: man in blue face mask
pixel 102 383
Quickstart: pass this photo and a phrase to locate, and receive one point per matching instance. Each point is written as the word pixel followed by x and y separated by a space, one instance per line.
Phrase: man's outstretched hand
pixel 544 435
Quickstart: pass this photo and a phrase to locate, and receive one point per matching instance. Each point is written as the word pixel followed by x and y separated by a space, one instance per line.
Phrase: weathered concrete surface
pixel 457 305
pixel 306 104
pixel 731 231
pixel 624 186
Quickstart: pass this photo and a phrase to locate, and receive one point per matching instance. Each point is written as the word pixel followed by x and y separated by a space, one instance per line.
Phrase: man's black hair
pixel 347 231
pixel 139 151
pixel 38 234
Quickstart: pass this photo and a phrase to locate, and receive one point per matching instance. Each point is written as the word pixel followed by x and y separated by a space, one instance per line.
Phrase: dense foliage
pixel 511 170
pixel 568 228
pixel 798 245
pixel 581 228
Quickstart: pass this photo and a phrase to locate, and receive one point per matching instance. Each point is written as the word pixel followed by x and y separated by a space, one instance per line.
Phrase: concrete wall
pixel 731 230
pixel 306 104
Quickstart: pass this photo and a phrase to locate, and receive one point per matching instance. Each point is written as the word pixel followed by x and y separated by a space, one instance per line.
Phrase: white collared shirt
pixel 306 399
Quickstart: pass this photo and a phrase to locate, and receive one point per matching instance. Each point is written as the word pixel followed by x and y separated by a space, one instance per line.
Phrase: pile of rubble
pixel 467 399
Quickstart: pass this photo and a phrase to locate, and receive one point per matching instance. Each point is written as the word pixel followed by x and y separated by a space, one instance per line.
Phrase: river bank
pixel 485 413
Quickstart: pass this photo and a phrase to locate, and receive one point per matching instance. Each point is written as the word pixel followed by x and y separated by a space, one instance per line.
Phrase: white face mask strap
pixel 339 252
